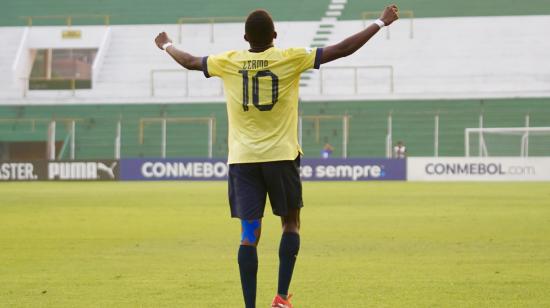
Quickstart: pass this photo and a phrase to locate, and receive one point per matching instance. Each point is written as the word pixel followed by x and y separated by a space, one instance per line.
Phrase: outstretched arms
pixel 185 59
pixel 330 53
pixel 354 42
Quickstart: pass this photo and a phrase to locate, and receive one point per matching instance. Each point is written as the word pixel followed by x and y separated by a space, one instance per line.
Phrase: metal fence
pixel 348 129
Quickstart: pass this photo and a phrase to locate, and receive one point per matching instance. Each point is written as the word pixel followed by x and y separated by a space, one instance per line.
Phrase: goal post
pixel 505 140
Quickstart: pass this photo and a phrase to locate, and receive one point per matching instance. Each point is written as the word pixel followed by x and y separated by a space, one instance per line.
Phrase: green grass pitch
pixel 172 244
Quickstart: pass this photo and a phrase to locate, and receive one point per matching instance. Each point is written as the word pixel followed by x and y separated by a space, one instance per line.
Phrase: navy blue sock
pixel 288 251
pixel 248 266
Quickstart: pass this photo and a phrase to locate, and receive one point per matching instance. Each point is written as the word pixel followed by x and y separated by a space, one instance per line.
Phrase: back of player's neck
pixel 260 48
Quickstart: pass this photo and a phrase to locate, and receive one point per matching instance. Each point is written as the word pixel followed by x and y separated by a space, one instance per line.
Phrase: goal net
pixel 507 141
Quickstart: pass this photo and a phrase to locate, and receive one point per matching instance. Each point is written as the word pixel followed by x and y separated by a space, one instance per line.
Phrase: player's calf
pixel 248 259
pixel 288 251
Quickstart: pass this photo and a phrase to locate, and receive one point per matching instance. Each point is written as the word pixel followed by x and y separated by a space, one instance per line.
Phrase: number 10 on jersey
pixel 256 89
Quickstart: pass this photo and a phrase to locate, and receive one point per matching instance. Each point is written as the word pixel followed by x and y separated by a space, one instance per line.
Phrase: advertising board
pixel 311 169
pixel 478 169
pixel 43 170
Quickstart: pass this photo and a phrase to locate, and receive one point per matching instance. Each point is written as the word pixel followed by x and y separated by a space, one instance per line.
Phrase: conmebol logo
pixel 478 168
pixel 465 168
pixel 161 170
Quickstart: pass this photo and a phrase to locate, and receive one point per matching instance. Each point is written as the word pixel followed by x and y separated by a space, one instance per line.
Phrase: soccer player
pixel 261 88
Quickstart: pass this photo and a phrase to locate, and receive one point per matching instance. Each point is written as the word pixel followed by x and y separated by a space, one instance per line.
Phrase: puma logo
pixel 109 170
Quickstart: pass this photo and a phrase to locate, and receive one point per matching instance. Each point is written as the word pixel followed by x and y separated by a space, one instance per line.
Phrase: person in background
pixel 399 150
pixel 327 150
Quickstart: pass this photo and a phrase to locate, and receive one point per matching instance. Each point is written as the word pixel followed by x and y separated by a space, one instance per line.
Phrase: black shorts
pixel 250 183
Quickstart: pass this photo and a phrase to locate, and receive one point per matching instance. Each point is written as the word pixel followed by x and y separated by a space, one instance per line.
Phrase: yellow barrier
pixel 368 15
pixel 68 18
pixel 206 20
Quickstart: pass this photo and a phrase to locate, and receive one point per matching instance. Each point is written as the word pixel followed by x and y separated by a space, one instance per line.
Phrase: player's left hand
pixel 390 14
pixel 161 39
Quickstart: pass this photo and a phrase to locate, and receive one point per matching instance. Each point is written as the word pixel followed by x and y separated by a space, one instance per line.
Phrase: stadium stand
pixel 131 75
pixel 447 58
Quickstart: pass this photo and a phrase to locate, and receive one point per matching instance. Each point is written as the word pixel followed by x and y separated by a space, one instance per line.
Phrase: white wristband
pixel 166 45
pixel 380 23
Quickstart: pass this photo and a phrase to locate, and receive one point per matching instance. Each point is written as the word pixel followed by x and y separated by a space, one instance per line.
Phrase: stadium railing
pixel 69 141
pixel 428 128
pixel 368 15
pixel 355 75
pixel 205 20
pixel 68 18
pixel 210 121
pixel 317 127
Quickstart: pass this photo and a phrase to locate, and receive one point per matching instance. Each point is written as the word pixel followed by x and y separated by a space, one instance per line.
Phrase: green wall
pixel 413 123
pixel 452 8
pixel 168 11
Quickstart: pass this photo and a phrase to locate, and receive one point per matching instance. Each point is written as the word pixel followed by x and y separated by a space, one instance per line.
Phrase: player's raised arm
pixel 356 41
pixel 186 60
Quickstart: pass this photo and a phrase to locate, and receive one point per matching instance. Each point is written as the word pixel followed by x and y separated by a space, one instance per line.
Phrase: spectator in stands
pixel 327 150
pixel 399 150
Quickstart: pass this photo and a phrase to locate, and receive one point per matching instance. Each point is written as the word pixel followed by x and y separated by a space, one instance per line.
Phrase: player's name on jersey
pixel 255 64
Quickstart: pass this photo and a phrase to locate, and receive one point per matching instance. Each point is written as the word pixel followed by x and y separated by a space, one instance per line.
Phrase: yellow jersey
pixel 261 92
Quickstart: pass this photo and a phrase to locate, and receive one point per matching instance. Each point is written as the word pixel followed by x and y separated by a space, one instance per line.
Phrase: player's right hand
pixel 390 14
pixel 161 39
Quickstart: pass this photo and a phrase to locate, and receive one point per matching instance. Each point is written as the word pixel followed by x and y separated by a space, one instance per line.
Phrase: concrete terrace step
pixel 448 57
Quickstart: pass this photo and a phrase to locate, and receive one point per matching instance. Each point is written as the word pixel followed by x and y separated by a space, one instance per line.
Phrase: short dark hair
pixel 259 27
